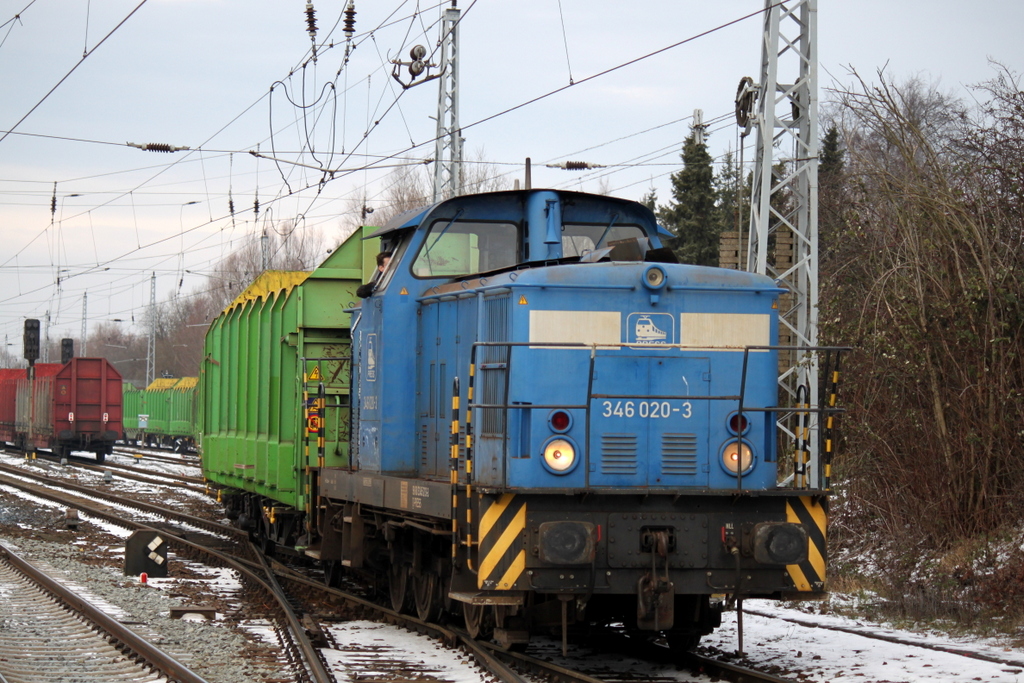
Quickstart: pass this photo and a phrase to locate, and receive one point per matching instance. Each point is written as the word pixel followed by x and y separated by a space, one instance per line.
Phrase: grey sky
pixel 197 74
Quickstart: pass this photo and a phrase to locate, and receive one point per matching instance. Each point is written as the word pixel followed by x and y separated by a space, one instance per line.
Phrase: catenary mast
pixel 784 201
pixel 448 146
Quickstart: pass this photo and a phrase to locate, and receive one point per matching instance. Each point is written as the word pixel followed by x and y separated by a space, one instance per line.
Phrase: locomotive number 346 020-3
pixel 645 409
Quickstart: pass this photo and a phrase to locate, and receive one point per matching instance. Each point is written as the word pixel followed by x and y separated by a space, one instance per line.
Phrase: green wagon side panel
pixel 259 357
pixel 183 407
pixel 158 404
pixel 133 405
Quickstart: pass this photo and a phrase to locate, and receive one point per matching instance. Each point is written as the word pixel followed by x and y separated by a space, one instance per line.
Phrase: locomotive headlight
pixel 737 457
pixel 654 277
pixel 559 455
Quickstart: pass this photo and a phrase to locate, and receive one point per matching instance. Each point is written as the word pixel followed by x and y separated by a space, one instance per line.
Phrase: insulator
pixel 157 147
pixel 256 206
pixel 311 20
pixel 231 206
pixel 350 19
pixel 576 165
pixel 53 201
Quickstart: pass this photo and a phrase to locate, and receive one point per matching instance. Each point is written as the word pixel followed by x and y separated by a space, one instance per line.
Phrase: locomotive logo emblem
pixel 650 328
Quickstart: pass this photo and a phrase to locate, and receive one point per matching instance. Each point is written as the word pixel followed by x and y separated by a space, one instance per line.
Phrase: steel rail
pixel 488 656
pixel 142 648
pixel 494 659
pixel 295 627
pixel 885 637
pixel 131 452
pixel 186 518
pixel 146 477
pixel 309 652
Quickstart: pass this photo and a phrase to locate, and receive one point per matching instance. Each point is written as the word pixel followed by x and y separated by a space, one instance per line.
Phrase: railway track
pixel 296 640
pixel 135 472
pixel 148 454
pixel 93 492
pixel 302 589
pixel 50 633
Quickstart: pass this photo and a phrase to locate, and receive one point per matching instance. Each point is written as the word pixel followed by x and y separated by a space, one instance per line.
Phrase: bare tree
pixel 182 320
pixel 924 280
pixel 409 187
pixel 125 351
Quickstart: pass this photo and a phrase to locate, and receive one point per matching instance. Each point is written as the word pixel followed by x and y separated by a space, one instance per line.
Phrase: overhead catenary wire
pixel 10 22
pixel 85 56
pixel 373 161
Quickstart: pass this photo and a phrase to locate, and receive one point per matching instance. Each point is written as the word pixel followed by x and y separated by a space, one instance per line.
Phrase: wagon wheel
pixel 398 584
pixel 332 573
pixel 479 620
pixel 427 596
pixel 100 455
pixel 266 544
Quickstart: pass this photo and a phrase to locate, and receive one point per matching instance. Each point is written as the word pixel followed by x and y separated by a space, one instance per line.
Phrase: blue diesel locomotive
pixel 552 423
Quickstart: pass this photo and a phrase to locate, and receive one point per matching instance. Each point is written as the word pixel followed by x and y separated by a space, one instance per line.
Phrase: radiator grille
pixel 618 453
pixel 679 454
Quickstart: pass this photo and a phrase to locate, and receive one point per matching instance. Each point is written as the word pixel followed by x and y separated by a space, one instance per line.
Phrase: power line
pixel 68 74
pixel 373 161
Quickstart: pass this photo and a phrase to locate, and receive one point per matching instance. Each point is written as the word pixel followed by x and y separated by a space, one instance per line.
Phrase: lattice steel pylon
pixel 784 201
pixel 448 146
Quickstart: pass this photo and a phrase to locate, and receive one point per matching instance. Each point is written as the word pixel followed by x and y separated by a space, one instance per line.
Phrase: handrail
pixel 821 410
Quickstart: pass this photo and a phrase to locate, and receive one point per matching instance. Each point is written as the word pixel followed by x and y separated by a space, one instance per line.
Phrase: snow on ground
pixel 774 635
pixel 367 650
pixel 771 637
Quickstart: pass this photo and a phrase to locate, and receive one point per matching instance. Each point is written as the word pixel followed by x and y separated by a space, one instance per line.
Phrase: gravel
pixel 90 564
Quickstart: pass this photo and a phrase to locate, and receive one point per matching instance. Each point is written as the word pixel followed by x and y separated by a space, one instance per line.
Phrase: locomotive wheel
pixel 509 618
pixel 398 588
pixel 682 642
pixel 426 596
pixel 479 620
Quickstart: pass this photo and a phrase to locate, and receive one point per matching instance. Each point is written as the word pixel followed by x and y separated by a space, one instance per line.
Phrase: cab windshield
pixel 577 240
pixel 457 248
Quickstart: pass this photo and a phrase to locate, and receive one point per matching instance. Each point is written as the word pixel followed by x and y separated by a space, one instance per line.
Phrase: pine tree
pixel 832 157
pixel 694 216
pixel 650 200
pixel 831 192
pixel 733 198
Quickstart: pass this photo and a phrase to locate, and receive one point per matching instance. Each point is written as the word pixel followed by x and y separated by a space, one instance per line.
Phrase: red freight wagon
pixel 75 408
pixel 9 380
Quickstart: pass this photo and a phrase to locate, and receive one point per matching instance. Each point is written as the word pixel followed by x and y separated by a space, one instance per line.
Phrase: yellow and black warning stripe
pixel 502 541
pixel 812 513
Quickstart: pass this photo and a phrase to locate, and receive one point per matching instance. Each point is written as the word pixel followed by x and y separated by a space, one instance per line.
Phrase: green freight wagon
pixel 134 423
pixel 162 415
pixel 274 383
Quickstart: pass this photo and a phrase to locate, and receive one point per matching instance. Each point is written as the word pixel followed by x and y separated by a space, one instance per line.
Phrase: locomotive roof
pixel 411 219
